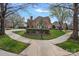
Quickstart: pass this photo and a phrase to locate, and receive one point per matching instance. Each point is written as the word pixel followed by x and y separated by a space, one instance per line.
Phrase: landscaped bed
pixel 53 34
pixel 70 45
pixel 8 44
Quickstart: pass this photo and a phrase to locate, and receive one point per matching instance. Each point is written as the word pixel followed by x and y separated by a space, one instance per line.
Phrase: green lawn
pixel 53 34
pixel 70 45
pixel 8 44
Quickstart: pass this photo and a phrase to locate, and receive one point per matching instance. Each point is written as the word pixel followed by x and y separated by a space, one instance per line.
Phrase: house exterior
pixel 8 24
pixel 39 22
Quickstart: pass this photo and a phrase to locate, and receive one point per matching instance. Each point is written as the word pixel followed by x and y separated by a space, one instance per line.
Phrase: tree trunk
pixel 2 19
pixel 75 22
pixel 2 27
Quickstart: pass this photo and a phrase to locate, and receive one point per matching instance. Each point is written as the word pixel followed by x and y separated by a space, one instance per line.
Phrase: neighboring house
pixel 8 24
pixel 57 25
pixel 36 23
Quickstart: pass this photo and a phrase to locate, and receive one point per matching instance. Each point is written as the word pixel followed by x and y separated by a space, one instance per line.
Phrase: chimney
pixel 31 17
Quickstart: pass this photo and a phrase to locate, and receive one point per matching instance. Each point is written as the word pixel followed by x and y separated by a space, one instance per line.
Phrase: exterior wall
pixel 35 23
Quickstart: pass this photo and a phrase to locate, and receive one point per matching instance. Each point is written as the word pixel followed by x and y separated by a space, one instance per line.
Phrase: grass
pixel 53 34
pixel 8 44
pixel 70 45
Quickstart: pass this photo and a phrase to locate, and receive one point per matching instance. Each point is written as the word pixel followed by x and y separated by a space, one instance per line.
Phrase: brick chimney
pixel 31 17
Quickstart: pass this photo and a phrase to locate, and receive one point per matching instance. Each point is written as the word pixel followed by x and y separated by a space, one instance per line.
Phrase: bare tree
pixel 16 20
pixel 74 7
pixel 7 9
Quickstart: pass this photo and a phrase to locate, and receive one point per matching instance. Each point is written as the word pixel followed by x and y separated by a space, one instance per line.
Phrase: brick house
pixel 35 23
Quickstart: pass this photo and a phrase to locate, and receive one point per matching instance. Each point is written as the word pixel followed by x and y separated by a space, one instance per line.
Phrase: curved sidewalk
pixel 41 47
pixel 16 36
pixel 27 40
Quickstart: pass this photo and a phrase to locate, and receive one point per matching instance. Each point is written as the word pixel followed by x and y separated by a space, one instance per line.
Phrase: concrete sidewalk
pixel 61 39
pixel 27 40
pixel 41 47
pixel 5 53
pixel 44 49
pixel 16 36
